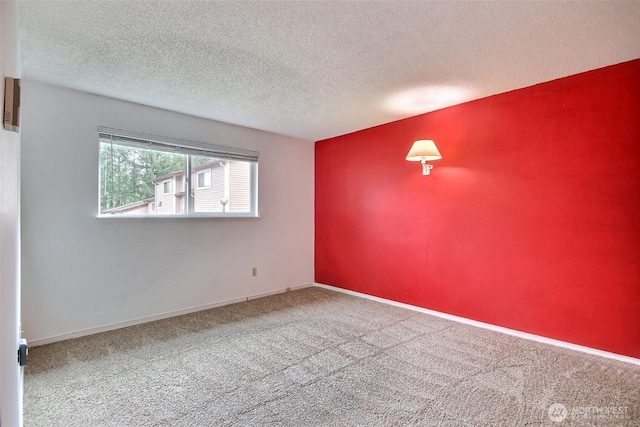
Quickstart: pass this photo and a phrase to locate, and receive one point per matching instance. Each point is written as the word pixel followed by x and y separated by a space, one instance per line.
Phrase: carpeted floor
pixel 315 357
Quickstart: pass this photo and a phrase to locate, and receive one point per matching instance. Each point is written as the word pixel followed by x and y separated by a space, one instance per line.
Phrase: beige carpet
pixel 314 357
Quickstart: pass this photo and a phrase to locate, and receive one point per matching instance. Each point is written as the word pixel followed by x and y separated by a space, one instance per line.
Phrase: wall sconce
pixel 423 151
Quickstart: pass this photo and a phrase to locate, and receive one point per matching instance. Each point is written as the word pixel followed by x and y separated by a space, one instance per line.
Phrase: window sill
pixel 203 215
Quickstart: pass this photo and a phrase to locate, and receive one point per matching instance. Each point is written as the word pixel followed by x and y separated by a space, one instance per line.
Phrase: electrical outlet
pixel 254 271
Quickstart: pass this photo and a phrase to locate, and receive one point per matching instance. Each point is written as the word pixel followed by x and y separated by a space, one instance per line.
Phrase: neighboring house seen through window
pixel 147 175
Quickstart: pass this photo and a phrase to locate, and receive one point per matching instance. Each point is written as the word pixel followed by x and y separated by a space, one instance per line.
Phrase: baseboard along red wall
pixel 530 221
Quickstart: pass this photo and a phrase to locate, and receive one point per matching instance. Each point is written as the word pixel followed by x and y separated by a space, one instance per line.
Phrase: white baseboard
pixel 489 326
pixel 279 291
pixel 141 320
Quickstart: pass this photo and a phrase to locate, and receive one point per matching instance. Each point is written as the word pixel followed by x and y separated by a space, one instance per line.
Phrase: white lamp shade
pixel 423 149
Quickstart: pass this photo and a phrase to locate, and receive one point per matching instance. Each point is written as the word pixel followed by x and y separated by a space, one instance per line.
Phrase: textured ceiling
pixel 317 69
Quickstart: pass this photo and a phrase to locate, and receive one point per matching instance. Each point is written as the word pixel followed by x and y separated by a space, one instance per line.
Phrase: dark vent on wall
pixel 11 116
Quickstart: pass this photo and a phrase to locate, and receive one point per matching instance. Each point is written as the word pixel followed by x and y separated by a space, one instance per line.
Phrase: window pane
pixel 204 178
pixel 130 176
pixel 222 186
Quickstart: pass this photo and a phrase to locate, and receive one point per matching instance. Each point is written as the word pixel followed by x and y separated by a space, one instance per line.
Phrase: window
pixel 144 175
pixel 204 179
pixel 166 187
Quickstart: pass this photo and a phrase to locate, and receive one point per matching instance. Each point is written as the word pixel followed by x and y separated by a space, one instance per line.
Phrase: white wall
pixel 83 273
pixel 10 372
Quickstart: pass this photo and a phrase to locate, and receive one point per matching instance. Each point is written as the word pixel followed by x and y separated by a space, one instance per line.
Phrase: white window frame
pixel 202 172
pixel 187 148
pixel 164 187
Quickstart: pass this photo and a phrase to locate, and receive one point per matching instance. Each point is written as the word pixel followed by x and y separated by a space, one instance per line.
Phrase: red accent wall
pixel 531 220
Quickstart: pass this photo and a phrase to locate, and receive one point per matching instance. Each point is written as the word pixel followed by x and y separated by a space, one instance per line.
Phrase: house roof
pixel 318 69
pixel 130 206
pixel 167 176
